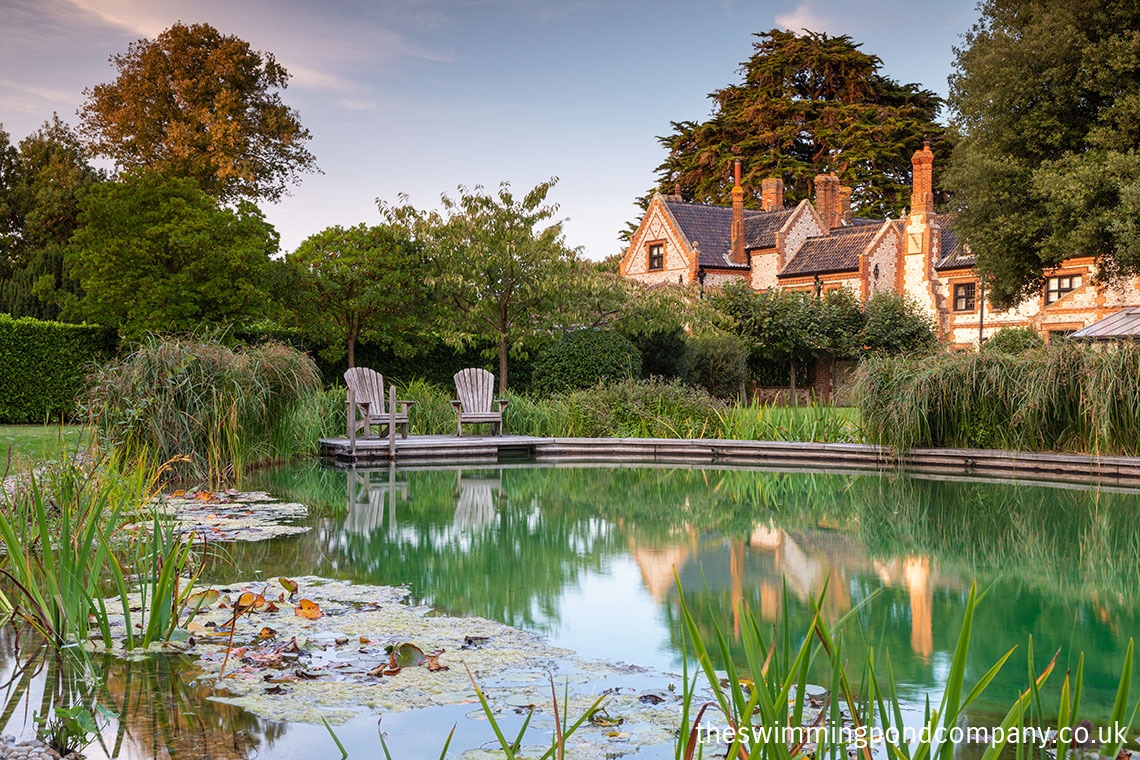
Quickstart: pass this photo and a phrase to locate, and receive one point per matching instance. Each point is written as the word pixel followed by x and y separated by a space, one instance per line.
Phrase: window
pixel 1059 286
pixel 657 256
pixel 964 296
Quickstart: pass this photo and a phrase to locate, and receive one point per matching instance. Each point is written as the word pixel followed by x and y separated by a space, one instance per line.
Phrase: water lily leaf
pixel 289 585
pixel 406 655
pixel 271 607
pixel 602 718
pixel 267 633
pixel 245 601
pixel 432 662
pixel 203 599
pixel 308 609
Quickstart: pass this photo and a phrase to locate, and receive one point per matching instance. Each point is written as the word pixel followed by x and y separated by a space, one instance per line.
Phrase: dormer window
pixel 656 256
pixel 1055 287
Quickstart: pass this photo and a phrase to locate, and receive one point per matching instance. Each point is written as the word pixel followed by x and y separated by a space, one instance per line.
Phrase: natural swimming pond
pixel 585 556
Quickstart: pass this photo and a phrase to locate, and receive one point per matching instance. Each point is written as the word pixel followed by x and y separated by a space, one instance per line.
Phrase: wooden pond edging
pixel 444 449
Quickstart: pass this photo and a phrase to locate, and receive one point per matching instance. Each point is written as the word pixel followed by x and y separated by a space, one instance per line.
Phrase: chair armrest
pixel 458 406
pixel 502 402
pixel 405 405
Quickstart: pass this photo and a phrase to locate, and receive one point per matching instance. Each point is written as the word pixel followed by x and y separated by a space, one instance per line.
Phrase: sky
pixel 419 97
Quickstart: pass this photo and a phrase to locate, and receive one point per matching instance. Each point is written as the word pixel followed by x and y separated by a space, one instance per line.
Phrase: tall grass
pixel 60 534
pixel 215 409
pixel 1066 397
pixel 625 409
pixel 762 701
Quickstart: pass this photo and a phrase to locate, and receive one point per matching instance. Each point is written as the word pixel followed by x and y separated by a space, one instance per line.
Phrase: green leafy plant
pixel 71 729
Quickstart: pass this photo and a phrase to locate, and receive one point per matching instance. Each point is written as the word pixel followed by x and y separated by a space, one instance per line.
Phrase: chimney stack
pixel 772 194
pixel 736 252
pixel 845 205
pixel 827 200
pixel 922 168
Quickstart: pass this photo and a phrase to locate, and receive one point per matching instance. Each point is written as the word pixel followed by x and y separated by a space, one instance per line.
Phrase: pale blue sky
pixel 419 96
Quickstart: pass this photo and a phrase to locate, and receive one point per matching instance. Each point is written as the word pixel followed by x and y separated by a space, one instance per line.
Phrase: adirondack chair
pixel 366 406
pixel 476 390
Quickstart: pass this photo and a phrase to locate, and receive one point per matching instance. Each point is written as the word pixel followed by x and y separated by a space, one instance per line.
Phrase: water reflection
pixel 524 544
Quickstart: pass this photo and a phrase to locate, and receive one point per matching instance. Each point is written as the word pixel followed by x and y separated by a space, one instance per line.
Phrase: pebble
pixel 31 749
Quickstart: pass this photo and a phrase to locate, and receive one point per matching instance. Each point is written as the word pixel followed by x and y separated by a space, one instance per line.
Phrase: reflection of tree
pixel 162 715
pixel 1061 560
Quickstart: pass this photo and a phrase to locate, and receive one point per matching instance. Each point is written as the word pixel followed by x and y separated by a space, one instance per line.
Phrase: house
pixel 820 246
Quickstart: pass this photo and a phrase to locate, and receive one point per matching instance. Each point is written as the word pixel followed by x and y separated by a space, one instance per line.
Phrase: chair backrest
pixel 367 384
pixel 476 389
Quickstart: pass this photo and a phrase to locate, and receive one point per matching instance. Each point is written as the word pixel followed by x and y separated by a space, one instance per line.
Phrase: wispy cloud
pixel 804 16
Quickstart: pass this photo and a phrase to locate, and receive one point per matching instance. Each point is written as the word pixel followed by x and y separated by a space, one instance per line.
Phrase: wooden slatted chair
pixel 366 407
pixel 475 405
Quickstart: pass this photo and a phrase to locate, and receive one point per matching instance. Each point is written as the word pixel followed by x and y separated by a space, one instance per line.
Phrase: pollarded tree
pixel 360 283
pixel 808 104
pixel 498 266
pixel 196 103
pixel 1047 98
pixel 156 254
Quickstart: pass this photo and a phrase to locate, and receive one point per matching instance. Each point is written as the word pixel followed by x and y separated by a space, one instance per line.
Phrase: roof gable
pixel 836 252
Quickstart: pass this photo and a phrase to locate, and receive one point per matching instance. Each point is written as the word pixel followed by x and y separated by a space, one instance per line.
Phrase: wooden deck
pixel 449 449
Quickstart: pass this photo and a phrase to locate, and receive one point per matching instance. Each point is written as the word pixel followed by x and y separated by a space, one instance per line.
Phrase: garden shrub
pixel 43 366
pixel 582 359
pixel 1014 340
pixel 718 362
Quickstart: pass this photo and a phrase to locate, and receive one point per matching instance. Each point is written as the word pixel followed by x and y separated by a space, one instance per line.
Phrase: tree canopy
pixel 41 183
pixel 497 263
pixel 808 104
pixel 154 253
pixel 361 283
pixel 224 125
pixel 1047 98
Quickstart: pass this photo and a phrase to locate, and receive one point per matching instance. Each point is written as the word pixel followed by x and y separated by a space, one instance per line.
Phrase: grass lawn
pixel 30 444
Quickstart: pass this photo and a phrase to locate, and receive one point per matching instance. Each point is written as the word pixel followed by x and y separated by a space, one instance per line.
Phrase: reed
pixel 213 409
pixel 1068 397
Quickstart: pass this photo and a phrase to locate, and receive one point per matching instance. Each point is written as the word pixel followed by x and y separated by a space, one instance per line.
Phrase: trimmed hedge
pixel 44 366
pixel 584 358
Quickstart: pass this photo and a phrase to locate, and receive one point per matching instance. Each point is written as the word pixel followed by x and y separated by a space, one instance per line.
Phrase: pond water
pixel 586 557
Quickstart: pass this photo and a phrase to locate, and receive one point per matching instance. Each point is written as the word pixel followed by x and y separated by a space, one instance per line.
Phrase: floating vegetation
pixel 229 515
pixel 338 650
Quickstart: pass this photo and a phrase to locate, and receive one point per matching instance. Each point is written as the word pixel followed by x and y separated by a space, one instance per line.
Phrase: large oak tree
pixel 808 104
pixel 1047 97
pixel 196 103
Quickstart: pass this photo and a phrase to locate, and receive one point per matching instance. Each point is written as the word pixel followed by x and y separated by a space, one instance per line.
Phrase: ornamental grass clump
pixel 214 408
pixel 1068 397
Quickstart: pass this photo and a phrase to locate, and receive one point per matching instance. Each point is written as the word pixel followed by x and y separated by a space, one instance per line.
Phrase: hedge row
pixel 43 366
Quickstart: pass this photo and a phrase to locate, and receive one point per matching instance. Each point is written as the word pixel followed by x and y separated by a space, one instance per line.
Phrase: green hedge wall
pixel 43 366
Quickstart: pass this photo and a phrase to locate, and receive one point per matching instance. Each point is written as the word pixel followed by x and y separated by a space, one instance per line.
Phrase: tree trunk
pixel 350 344
pixel 503 350
pixel 795 397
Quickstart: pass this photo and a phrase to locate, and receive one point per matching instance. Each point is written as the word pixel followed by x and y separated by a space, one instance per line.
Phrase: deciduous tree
pixel 498 265
pixel 196 103
pixel 157 254
pixel 808 104
pixel 361 283
pixel 1047 97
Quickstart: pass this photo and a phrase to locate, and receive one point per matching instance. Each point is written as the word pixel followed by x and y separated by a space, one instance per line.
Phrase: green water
pixel 586 556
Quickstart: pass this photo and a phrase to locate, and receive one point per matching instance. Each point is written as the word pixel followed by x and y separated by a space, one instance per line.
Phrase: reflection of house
pixel 805 562
pixel 820 246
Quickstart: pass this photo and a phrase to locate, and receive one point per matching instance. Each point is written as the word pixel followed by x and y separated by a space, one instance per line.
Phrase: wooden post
pixel 351 421
pixel 391 422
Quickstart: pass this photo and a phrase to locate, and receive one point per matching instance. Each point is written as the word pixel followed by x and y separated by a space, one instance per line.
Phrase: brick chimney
pixel 772 194
pixel 827 200
pixel 922 166
pixel 845 205
pixel 736 252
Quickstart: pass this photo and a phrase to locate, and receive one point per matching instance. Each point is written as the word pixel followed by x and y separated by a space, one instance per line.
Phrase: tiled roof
pixel 761 227
pixel 710 229
pixel 954 253
pixel 837 252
